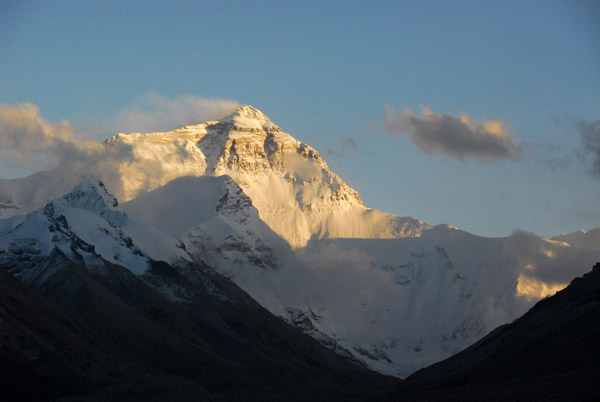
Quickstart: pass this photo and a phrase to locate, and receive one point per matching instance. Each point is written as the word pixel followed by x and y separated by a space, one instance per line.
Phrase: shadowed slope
pixel 111 336
pixel 550 353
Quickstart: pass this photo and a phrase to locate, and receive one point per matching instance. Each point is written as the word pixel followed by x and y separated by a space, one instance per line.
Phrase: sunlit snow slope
pixel 288 182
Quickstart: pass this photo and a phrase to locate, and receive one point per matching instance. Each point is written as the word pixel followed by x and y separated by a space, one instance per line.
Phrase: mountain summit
pixel 250 117
pixel 288 181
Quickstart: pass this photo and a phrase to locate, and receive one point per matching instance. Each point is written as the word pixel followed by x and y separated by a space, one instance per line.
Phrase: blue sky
pixel 324 71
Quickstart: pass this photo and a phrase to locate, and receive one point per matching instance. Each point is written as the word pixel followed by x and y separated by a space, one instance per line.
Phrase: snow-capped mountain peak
pixel 288 182
pixel 248 117
pixel 85 225
pixel 92 195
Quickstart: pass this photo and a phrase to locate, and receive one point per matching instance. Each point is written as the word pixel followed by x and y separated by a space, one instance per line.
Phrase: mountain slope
pixel 123 338
pixel 550 353
pixel 151 331
pixel 215 221
pixel 394 305
pixel 43 345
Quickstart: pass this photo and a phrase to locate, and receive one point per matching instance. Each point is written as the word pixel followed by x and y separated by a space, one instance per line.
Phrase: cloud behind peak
pixel 154 112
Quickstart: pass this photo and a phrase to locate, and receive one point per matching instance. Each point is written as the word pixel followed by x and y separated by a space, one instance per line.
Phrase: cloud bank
pixel 26 138
pixel 456 137
pixel 154 112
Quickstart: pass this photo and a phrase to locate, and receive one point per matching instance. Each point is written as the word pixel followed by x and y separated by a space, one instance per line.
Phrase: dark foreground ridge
pixel 552 353
pixel 110 336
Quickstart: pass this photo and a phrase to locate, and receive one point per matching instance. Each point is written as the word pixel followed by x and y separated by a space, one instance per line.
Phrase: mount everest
pixel 241 196
pixel 288 181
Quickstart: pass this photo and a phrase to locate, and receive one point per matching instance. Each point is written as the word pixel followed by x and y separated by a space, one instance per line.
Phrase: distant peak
pixel 91 194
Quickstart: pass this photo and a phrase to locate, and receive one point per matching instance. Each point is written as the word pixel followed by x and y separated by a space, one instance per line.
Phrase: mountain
pixel 214 219
pixel 550 353
pixel 392 304
pixel 402 304
pixel 289 183
pixel 88 315
pixel 25 194
pixel 85 224
pixel 262 209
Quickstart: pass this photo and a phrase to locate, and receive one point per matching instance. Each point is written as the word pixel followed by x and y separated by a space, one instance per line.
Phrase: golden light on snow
pixel 533 289
pixel 557 243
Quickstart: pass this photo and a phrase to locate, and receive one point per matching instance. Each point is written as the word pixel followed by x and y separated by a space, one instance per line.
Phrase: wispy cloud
pixel 457 137
pixel 28 139
pixel 580 145
pixel 344 146
pixel 590 136
pixel 368 124
pixel 154 112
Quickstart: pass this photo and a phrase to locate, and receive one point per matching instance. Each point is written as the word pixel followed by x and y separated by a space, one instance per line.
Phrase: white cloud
pixel 154 112
pixel 456 137
pixel 28 140
pixel 546 262
pixel 303 169
pixel 29 143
